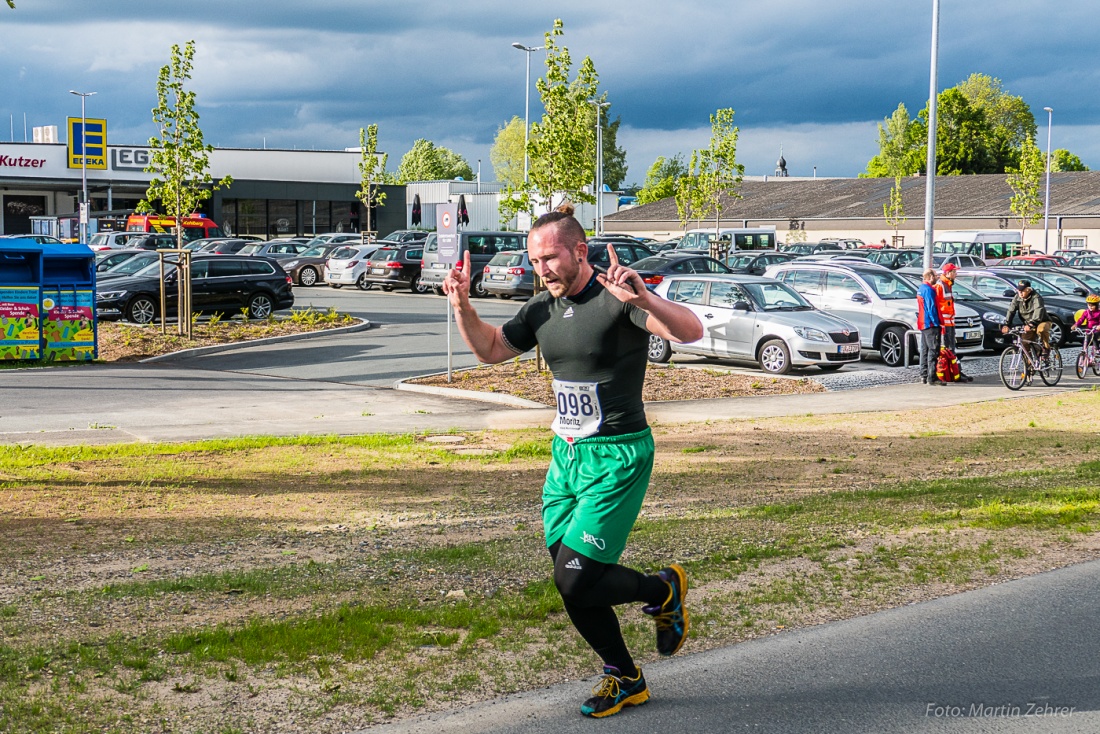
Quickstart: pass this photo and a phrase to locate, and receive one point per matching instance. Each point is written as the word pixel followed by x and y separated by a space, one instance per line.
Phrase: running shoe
pixel 672 616
pixel 615 691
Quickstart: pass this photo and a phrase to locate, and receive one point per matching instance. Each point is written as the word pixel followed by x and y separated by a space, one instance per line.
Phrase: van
pixel 481 246
pixel 989 246
pixel 195 227
pixel 729 239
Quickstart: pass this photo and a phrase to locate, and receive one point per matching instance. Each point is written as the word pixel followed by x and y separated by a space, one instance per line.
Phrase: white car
pixel 758 319
pixel 111 240
pixel 876 300
pixel 346 266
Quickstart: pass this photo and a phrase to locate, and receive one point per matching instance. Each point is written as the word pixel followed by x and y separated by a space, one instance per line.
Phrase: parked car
pixel 111 240
pixel 755 263
pixel 482 246
pixel 308 267
pixel 961 261
pixel 1070 280
pixel 336 238
pixel 881 304
pixel 347 265
pixel 137 261
pixel 107 259
pixel 759 319
pixel 153 241
pixel 224 284
pixel 1000 285
pixel 40 239
pixel 845 243
pixel 1031 261
pixel 808 248
pixel 226 247
pixel 990 312
pixel 510 274
pixel 393 266
pixel 277 249
pixel 1074 253
pixel 846 255
pixel 627 251
pixel 665 246
pixel 1084 261
pixel 896 258
pixel 655 269
pixel 407 236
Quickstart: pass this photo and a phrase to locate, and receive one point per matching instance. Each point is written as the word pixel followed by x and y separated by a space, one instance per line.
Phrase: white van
pixel 990 246
pixel 743 238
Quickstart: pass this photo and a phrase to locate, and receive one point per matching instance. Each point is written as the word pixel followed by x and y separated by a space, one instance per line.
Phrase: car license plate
pixel 848 349
pixel 378 271
pixel 496 277
pixel 438 265
pixel 972 335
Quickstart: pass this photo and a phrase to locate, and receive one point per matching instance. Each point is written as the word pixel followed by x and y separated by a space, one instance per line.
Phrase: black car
pixel 809 248
pixel 990 311
pixel 273 248
pixel 1000 285
pixel 394 266
pixel 896 258
pixel 628 252
pixel 1071 280
pixel 407 236
pixel 226 284
pixel 227 247
pixel 654 269
pixel 754 262
pixel 153 241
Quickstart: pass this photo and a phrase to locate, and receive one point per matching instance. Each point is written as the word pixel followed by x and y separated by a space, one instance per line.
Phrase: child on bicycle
pixel 1089 319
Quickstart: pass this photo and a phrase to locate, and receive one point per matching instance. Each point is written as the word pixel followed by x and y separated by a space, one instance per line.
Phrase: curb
pixel 215 348
pixel 454 392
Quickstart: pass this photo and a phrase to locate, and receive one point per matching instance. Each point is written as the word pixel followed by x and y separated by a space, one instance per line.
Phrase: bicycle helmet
pixel 1092 299
pixel 1021 284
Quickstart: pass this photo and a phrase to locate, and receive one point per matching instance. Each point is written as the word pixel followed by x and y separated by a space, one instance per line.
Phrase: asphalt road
pixel 976 662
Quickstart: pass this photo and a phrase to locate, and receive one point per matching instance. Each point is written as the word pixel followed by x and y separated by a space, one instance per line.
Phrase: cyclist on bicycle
pixel 1033 312
pixel 1089 319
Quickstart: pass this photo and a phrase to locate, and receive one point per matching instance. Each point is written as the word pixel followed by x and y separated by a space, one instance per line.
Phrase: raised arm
pixel 483 339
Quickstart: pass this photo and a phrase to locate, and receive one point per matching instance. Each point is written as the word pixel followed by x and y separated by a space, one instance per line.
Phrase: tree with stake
pixel 714 176
pixel 1025 182
pixel 372 168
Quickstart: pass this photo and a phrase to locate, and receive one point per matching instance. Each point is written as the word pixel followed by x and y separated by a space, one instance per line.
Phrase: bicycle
pixel 1019 363
pixel 1090 354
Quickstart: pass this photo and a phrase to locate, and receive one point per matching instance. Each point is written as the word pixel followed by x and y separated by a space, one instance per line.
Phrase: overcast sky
pixel 813 77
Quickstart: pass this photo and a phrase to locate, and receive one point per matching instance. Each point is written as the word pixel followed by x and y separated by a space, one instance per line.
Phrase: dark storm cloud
pixel 814 77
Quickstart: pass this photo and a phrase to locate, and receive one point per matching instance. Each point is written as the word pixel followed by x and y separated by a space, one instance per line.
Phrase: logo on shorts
pixel 598 542
pixel 574 563
pixel 568 313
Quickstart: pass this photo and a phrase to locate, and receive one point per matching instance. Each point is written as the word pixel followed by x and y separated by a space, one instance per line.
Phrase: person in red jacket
pixel 945 303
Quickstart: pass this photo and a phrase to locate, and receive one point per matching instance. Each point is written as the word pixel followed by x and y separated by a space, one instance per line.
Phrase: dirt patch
pixel 522 379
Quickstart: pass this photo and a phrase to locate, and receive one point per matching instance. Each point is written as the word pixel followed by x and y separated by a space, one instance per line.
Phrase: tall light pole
pixel 599 164
pixel 1046 204
pixel 527 102
pixel 83 166
pixel 930 179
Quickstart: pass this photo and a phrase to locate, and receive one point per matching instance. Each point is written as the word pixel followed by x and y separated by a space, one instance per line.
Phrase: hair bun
pixel 566 208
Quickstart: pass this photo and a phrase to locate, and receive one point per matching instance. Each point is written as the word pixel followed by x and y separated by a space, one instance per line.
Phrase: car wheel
pixel 660 351
pixel 260 306
pixel 477 288
pixel 362 283
pixel 775 357
pixel 1058 335
pixel 307 277
pixel 141 310
pixel 892 346
pixel 418 287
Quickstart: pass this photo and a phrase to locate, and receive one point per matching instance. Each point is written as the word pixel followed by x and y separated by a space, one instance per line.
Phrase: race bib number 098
pixel 579 414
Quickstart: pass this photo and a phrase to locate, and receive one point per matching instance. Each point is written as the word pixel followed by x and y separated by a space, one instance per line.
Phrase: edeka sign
pixel 87 143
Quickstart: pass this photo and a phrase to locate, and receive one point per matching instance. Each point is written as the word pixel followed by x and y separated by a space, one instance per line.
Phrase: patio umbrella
pixel 416 210
pixel 463 214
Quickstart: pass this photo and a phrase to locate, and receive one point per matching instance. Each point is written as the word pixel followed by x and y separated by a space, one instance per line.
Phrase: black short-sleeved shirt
pixel 590 337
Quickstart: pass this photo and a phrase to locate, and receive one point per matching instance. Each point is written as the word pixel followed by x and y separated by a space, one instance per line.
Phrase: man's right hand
pixel 457 283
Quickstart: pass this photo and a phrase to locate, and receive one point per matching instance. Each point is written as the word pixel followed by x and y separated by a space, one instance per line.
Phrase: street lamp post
pixel 527 102
pixel 1046 203
pixel 83 167
pixel 599 164
pixel 930 178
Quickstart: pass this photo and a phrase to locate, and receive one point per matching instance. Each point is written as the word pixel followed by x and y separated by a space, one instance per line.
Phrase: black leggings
pixel 590 589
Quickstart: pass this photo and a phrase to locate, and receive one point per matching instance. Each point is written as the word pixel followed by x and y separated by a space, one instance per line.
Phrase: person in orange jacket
pixel 945 302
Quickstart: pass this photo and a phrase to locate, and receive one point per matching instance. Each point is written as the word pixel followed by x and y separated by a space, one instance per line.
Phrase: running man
pixel 594 331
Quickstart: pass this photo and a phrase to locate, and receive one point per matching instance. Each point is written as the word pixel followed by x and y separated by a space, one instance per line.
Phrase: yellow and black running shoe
pixel 672 616
pixel 615 691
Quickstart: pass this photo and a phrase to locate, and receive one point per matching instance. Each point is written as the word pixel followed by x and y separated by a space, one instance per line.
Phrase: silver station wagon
pixel 759 319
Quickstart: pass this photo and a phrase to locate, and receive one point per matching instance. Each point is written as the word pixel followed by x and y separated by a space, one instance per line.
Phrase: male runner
pixel 594 331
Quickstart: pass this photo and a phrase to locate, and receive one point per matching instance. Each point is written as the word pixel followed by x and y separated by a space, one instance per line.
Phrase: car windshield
pixel 384 255
pixel 652 263
pixel 776 297
pixel 968 294
pixel 1091 280
pixel 1044 288
pixel 322 239
pixel 344 253
pixel 132 265
pixel 506 259
pixel 249 249
pixel 740 261
pixel 889 286
pixel 318 251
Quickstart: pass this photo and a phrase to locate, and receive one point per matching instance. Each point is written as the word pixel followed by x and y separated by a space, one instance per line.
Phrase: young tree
pixel 426 161
pixel 662 178
pixel 714 175
pixel 894 210
pixel 372 171
pixel 179 159
pixel 1025 182
pixel 506 155
pixel 1062 160
pixel 562 144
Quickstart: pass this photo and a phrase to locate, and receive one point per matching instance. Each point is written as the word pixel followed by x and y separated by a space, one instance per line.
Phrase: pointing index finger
pixel 612 256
